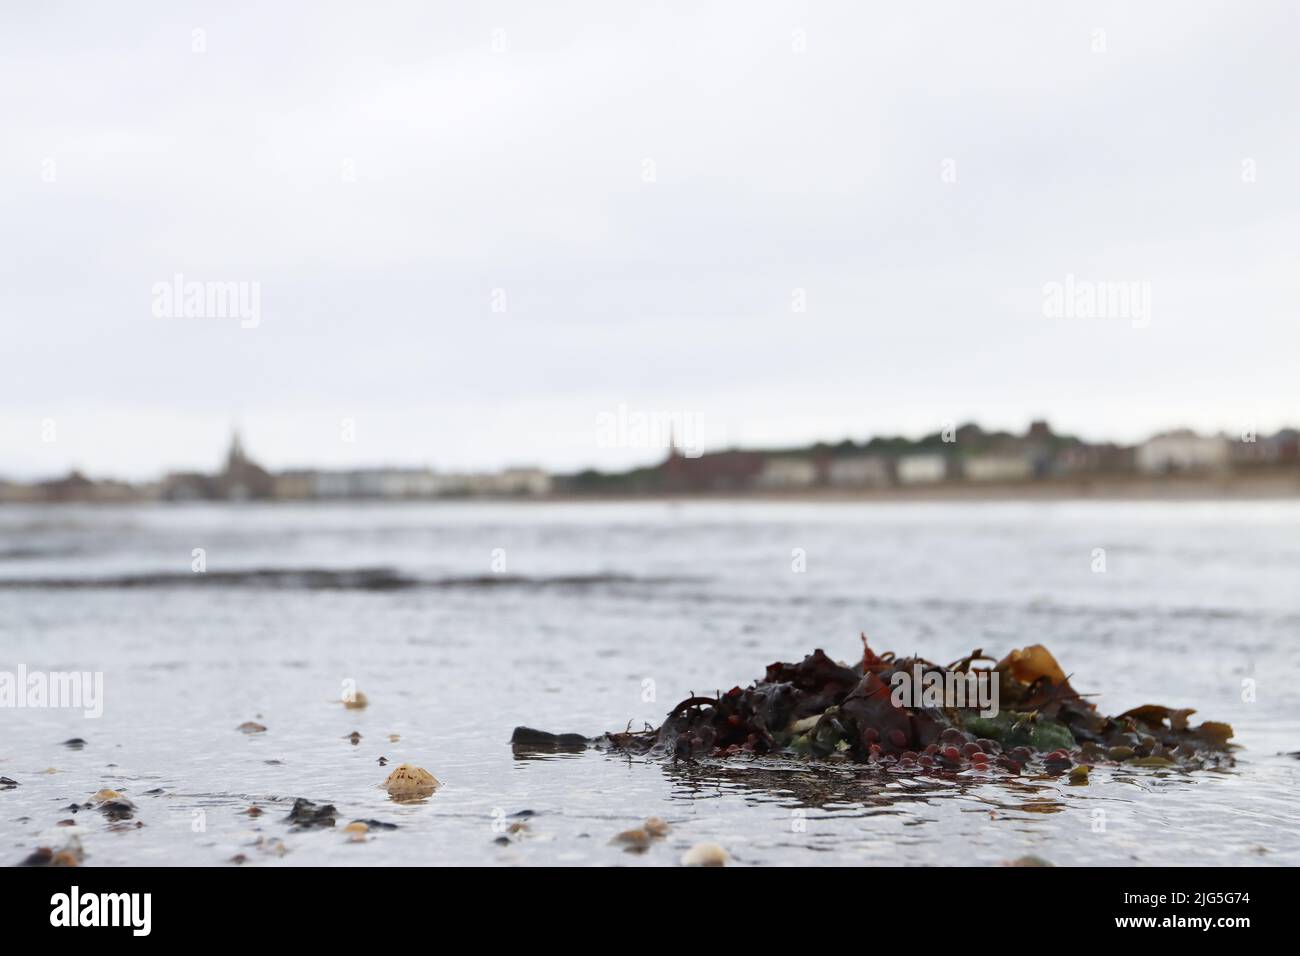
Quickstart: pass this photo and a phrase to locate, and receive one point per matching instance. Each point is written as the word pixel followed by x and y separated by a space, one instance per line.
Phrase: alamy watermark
pixel 632 428
pixel 944 688
pixel 181 299
pixel 1085 299
pixel 53 689
pixel 131 910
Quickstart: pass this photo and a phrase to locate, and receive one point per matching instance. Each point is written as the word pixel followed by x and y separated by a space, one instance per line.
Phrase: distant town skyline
pixel 649 439
pixel 633 446
pixel 957 459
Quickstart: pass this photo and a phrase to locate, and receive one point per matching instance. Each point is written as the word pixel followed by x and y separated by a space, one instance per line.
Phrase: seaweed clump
pixel 819 708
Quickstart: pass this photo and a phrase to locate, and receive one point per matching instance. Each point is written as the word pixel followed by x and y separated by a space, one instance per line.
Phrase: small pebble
pixel 705 854
pixel 356 831
pixel 635 840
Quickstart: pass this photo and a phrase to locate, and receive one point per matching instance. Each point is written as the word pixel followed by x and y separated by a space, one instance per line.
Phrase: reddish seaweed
pixel 819 708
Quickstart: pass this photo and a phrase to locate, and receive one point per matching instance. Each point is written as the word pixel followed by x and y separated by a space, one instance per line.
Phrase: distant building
pixel 1182 451
pixel 860 471
pixel 1280 449
pixel 786 473
pixel 1039 431
pixel 294 486
pixel 924 468
pixel 523 481
pixel 187 486
pixel 999 467
pixel 1080 460
pixel 391 484
pixel 11 491
pixel 242 478
pixel 74 487
pixel 717 471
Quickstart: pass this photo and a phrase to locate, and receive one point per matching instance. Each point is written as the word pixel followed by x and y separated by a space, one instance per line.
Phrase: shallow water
pixel 610 613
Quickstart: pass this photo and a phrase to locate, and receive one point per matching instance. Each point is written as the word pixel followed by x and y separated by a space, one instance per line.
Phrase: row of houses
pixel 967 455
pixel 243 479
pixel 407 483
pixel 72 487
pixel 1006 459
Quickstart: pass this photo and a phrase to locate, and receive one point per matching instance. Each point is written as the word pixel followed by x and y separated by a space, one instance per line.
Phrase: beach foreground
pixel 460 621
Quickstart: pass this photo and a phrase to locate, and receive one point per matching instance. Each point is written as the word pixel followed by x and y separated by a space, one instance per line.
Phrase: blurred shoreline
pixel 1111 489
pixel 1283 485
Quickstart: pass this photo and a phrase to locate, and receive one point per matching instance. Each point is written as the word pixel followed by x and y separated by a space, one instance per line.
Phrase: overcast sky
pixel 654 194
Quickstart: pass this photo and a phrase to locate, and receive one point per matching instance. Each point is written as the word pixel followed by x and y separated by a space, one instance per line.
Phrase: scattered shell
pixel 383 761
pixel 273 846
pixel 251 727
pixel 253 811
pixel 76 743
pixel 355 737
pixel 112 805
pixel 635 841
pixel 1027 861
pixel 656 827
pixel 394 738
pixel 408 780
pixel 7 784
pixel 356 701
pixel 705 854
pixel 356 831
pixel 71 854
pixel 513 833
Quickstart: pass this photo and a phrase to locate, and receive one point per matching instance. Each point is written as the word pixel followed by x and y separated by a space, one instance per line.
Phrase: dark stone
pixel 529 737
pixel 306 814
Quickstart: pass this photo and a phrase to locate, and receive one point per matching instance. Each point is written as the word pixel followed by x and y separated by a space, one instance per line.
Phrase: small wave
pixel 39 554
pixel 327 579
